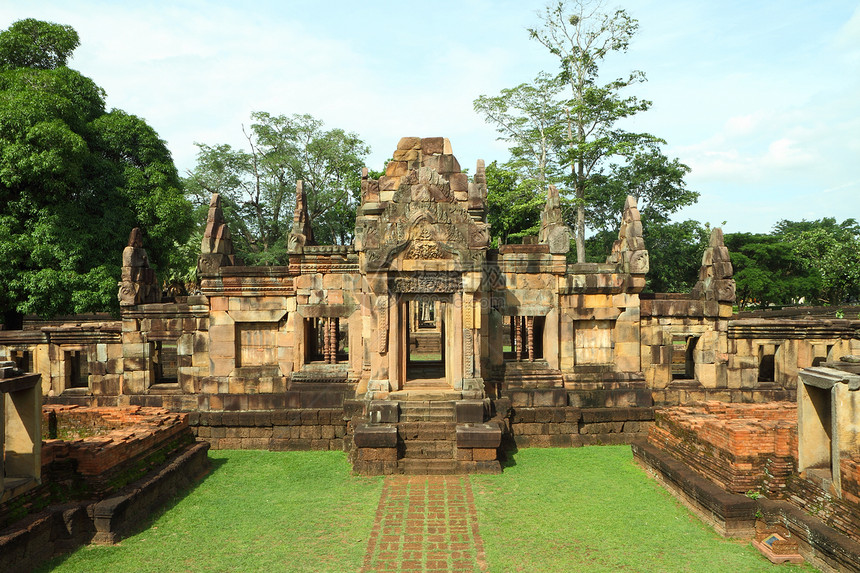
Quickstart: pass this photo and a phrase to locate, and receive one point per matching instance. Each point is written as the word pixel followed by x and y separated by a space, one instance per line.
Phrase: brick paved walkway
pixel 426 524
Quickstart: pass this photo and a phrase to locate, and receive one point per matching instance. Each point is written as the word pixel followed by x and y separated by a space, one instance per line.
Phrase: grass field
pixel 592 509
pixel 581 509
pixel 256 511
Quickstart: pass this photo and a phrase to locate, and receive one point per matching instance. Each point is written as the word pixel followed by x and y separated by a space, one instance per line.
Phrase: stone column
pixel 530 334
pixel 516 321
pixel 394 343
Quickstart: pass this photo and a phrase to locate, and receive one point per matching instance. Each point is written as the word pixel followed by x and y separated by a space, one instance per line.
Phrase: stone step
pixel 428 467
pixel 428 449
pixel 429 411
pixel 423 430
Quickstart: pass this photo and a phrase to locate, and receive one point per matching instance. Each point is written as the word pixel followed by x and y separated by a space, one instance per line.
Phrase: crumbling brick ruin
pixel 420 348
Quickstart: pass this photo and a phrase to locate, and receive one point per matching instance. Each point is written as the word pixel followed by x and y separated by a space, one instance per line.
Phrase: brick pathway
pixel 426 524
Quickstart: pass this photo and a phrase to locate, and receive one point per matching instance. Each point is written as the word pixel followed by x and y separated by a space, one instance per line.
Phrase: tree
pixel 35 44
pixel 767 271
pixel 675 251
pixel 258 185
pixel 74 180
pixel 592 160
pixel 829 250
pixel 530 117
pixel 513 205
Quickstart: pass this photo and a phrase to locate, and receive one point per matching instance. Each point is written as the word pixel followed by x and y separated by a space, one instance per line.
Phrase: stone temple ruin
pixel 421 349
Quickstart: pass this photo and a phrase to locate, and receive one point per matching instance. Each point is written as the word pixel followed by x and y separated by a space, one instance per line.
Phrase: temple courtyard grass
pixel 583 509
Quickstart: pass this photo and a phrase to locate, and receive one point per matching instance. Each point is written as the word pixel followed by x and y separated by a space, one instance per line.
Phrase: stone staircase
pixel 427 436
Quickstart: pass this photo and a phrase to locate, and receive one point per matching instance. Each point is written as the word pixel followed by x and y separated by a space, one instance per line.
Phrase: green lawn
pixel 592 509
pixel 256 511
pixel 581 509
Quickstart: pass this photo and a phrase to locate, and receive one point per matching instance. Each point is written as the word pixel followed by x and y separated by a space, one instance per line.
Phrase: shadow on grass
pixel 144 522
pixel 508 457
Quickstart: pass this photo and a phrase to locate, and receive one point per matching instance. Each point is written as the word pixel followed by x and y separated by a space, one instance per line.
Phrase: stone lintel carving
pixel 138 284
pixel 427 283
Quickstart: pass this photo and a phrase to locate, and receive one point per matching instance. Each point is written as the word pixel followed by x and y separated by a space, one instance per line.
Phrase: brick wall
pixel 741 447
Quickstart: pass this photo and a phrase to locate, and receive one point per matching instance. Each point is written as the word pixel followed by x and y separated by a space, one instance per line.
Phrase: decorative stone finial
pixel 553 231
pixel 715 276
pixel 629 250
pixel 216 248
pixel 301 234
pixel 137 284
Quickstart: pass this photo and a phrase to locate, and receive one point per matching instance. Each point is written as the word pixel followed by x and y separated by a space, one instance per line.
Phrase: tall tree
pixel 581 35
pixel 258 184
pixel 530 117
pixel 74 180
pixel 592 160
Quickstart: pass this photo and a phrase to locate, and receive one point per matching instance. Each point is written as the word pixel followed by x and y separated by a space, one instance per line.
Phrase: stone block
pixel 375 436
pixel 387 183
pixel 479 436
pixel 470 411
pixel 432 145
pixel 459 182
pixel 406 143
pixel 405 155
pixel 396 169
pixel 383 412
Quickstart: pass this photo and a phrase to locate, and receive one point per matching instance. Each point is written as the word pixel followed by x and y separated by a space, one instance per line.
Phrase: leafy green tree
pixel 576 140
pixel 675 251
pixel 513 204
pixel 767 271
pixel 530 117
pixel 829 250
pixel 258 185
pixel 36 44
pixel 74 180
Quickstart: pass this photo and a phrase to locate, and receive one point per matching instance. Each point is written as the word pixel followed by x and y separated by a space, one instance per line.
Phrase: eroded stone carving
pixel 138 284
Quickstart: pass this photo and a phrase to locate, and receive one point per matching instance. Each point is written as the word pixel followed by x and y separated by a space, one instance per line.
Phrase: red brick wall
pixel 741 447
pixel 129 433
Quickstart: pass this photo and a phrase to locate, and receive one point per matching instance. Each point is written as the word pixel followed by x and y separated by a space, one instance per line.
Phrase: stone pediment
pixel 424 210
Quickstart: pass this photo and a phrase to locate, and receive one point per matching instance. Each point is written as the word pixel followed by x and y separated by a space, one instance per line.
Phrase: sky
pixel 760 98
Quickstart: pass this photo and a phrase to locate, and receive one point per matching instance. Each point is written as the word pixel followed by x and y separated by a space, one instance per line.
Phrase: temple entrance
pixel 425 342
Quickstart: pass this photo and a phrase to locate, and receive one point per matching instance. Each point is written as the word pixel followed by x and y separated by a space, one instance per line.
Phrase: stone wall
pixel 303 429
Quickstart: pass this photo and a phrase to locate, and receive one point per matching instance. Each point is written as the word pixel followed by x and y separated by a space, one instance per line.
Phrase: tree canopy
pixel 74 180
pixel 567 129
pixel 258 184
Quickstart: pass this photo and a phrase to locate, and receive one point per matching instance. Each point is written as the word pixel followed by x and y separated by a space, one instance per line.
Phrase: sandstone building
pixel 419 347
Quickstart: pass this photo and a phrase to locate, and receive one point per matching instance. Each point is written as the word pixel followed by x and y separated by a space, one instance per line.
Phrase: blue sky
pixel 761 99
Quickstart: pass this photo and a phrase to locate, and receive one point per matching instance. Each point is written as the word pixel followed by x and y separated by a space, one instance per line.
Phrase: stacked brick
pixel 740 447
pixel 125 438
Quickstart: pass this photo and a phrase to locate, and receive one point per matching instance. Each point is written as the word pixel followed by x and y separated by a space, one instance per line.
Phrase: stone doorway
pixel 425 332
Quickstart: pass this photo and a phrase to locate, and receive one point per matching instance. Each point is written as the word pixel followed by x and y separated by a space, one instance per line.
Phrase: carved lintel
pixel 427 283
